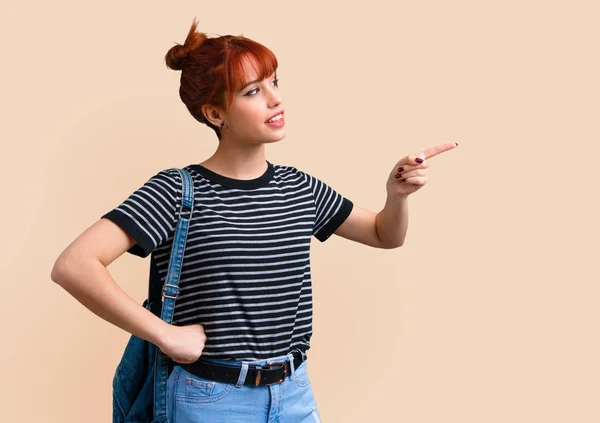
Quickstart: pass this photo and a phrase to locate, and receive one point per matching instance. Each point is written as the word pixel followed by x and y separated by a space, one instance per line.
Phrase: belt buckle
pixel 285 373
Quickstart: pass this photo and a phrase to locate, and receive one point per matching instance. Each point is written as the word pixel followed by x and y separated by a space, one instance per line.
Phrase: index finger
pixel 434 151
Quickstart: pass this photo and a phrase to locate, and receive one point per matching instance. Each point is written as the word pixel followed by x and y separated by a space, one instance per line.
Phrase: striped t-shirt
pixel 245 275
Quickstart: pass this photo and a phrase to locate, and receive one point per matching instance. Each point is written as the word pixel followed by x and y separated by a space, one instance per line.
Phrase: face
pixel 251 107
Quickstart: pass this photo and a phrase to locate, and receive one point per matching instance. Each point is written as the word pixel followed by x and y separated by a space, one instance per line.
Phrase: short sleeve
pixel 332 208
pixel 149 214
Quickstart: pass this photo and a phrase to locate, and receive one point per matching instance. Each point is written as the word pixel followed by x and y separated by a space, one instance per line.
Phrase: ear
pixel 213 114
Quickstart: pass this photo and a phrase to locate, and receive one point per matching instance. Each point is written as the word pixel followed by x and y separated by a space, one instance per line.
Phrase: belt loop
pixel 292 369
pixel 243 373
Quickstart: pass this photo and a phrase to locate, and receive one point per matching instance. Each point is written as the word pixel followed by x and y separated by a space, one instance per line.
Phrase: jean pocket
pixel 301 375
pixel 199 389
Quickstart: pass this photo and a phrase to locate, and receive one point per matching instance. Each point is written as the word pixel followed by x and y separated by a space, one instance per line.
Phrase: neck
pixel 238 162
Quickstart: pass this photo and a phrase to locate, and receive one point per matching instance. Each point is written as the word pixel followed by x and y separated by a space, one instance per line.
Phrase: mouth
pixel 276 121
pixel 275 117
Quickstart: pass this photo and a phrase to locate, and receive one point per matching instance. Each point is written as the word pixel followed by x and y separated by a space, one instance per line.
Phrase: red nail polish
pixel 419 160
pixel 397 175
pixel 400 169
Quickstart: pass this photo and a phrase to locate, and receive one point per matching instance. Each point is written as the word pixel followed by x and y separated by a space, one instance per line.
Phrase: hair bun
pixel 177 54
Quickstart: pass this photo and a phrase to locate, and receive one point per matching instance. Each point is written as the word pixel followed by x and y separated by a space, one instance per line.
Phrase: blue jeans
pixel 193 399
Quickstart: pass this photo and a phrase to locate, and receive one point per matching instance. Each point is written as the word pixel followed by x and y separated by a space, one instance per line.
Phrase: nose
pixel 274 97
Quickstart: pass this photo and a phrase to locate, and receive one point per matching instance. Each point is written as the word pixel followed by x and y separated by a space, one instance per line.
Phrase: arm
pixel 386 229
pixel 392 221
pixel 81 271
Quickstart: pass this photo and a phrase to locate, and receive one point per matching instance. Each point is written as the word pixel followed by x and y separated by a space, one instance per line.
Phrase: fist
pixel 184 344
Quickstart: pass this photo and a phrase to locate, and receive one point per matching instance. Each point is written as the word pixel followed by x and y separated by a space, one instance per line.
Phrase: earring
pixel 222 125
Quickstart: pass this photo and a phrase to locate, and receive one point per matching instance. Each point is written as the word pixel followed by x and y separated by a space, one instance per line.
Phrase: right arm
pixel 146 219
pixel 81 271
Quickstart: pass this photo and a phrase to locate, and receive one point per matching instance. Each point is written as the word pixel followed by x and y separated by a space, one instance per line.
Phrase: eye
pixel 249 93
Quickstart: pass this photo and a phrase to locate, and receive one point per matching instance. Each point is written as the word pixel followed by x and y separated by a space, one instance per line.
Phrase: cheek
pixel 248 116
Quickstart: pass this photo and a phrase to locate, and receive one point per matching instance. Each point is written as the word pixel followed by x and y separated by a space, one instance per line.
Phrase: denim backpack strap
pixel 155 290
pixel 170 292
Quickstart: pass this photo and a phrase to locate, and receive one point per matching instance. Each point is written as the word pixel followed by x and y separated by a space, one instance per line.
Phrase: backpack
pixel 140 380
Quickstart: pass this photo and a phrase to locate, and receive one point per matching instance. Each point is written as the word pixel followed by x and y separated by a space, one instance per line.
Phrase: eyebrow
pixel 252 82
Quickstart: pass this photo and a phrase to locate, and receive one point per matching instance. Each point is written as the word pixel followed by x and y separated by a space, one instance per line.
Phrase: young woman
pixel 242 322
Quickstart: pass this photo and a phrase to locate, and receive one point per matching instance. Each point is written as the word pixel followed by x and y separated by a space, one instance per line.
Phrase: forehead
pixel 250 66
pixel 251 69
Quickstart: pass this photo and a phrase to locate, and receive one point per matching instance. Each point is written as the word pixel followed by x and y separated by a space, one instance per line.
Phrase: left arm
pixel 392 221
pixel 386 229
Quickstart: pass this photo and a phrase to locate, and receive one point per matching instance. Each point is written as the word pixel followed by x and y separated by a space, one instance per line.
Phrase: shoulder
pixel 165 185
pixel 171 174
pixel 170 178
pixel 290 174
pixel 289 170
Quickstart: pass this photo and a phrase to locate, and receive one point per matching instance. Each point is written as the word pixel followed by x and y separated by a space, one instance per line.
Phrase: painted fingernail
pixel 404 180
pixel 400 169
pixel 397 175
pixel 419 160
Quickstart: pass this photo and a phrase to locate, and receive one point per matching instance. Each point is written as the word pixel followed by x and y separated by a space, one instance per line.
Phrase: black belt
pixel 267 374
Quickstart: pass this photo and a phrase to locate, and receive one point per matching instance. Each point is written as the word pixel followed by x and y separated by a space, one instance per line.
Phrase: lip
pixel 279 112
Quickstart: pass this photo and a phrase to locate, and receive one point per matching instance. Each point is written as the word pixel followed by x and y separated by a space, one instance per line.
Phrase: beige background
pixel 488 313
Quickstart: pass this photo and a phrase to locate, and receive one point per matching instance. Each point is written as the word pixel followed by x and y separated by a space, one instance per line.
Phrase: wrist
pixel 162 334
pixel 394 197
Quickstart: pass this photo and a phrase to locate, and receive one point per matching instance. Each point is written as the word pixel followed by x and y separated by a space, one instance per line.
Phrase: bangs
pixel 249 53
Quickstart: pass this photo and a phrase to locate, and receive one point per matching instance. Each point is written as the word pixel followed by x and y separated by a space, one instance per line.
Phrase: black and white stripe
pixel 246 271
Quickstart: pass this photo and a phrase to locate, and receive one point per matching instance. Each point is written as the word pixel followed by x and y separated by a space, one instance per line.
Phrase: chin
pixel 276 137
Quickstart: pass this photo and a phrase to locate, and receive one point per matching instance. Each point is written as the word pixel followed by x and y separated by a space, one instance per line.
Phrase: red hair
pixel 213 69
